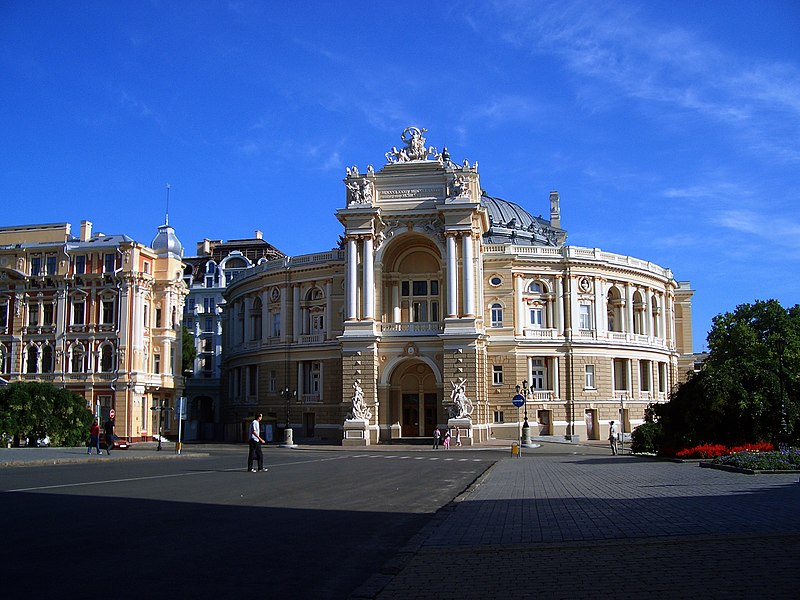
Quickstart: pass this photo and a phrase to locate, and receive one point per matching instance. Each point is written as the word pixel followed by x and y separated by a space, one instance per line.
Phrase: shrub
pixel 763 461
pixel 647 438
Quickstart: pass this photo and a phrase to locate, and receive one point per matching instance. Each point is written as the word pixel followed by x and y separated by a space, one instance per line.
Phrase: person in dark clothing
pixel 108 431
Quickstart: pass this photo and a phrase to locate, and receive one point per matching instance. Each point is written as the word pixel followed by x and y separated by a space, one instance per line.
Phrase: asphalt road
pixel 317 525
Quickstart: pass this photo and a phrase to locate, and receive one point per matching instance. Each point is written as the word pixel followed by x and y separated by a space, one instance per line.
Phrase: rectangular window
pixel 273 381
pixel 662 377
pixel 156 363
pixel 537 374
pixel 498 416
pixel 420 312
pixel 420 288
pixel 36 266
pixel 276 324
pixel 497 315
pixel 404 288
pixel 252 380
pixel 434 287
pixel 434 311
pixel 147 268
pixel 77 313
pixel 584 317
pixel 208 344
pixel 33 315
pixel 644 375
pixel 190 305
pixel 158 318
pixel 208 325
pixel 621 374
pixel 108 263
pixel 51 265
pixel 209 281
pixel 80 265
pixel 48 314
pixel 108 312
pixel 4 314
pixel 497 374
pixel 536 317
pixel 588 373
pixel 208 304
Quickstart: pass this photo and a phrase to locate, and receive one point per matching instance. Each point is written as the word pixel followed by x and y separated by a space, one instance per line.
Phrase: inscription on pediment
pixel 411 193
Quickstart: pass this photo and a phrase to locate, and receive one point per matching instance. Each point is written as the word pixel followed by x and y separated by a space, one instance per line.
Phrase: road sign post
pixel 518 401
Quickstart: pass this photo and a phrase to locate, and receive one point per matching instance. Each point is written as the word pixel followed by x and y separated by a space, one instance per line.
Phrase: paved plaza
pixel 585 525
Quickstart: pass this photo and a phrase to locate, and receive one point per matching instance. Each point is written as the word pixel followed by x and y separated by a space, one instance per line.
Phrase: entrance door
pixel 410 426
pixel 591 430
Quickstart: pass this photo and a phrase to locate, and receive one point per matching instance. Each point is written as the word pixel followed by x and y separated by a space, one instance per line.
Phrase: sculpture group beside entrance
pixel 462 406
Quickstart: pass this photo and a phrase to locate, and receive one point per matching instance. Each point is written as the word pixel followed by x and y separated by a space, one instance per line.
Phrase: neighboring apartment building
pixel 217 264
pixel 97 314
pixel 439 285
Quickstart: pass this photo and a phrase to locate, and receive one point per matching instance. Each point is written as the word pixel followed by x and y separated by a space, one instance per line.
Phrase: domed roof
pixel 509 223
pixel 166 243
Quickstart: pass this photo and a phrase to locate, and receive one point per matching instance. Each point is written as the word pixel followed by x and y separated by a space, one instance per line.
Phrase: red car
pixel 118 444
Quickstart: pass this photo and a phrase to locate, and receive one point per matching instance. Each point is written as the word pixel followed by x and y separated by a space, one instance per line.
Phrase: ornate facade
pixel 97 314
pixel 440 294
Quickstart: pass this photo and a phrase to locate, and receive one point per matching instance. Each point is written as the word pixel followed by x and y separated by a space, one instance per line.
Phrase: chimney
pixel 86 231
pixel 204 247
pixel 259 235
pixel 555 210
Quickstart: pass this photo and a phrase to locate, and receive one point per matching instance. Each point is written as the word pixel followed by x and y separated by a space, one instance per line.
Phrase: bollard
pixel 515 449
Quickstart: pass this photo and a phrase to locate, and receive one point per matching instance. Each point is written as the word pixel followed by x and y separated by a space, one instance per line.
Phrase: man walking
pixel 612 436
pixel 436 435
pixel 255 445
pixel 108 432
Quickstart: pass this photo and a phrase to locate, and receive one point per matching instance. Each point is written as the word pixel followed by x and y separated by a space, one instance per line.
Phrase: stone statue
pixel 360 409
pixel 462 406
pixel 359 192
pixel 415 147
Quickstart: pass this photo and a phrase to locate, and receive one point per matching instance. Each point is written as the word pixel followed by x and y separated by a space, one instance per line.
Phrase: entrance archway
pixel 415 399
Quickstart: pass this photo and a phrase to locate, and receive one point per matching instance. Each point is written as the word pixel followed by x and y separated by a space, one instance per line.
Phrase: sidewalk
pixel 15 457
pixel 561 526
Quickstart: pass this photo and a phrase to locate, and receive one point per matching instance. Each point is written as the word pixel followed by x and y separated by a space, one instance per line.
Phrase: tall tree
pixel 748 386
pixel 189 352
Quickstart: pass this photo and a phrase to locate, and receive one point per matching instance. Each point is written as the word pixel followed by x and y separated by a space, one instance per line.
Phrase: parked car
pixel 118 444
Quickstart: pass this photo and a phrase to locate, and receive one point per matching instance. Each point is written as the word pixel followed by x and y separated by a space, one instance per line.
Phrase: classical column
pixel 554 378
pixel 560 305
pixel 600 315
pixel 648 313
pixel 300 381
pixel 396 312
pixel 265 324
pixel 296 312
pixel 352 280
pixel 519 316
pixel 329 309
pixel 369 280
pixel 452 277
pixel 469 275
pixel 628 308
pixel 284 323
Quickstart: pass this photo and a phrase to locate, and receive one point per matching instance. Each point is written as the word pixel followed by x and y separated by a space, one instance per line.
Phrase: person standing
pixel 436 435
pixel 446 442
pixel 94 437
pixel 458 437
pixel 108 431
pixel 612 436
pixel 255 445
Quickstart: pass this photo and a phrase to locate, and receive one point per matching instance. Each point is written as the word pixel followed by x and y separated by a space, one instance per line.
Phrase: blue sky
pixel 671 129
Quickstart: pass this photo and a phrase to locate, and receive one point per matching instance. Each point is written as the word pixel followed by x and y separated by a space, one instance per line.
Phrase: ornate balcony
pixel 412 329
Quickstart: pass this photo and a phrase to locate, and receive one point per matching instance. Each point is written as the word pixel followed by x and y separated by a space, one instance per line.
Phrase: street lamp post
pixel 162 406
pixel 288 438
pixel 526 430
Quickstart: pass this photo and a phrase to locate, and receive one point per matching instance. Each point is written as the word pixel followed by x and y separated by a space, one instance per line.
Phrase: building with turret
pixel 440 306
pixel 97 314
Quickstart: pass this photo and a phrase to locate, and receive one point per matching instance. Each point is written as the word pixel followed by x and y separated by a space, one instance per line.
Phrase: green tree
pixel 747 385
pixel 35 409
pixel 189 352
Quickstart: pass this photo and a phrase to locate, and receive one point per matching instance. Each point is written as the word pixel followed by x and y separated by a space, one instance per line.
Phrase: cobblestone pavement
pixel 585 525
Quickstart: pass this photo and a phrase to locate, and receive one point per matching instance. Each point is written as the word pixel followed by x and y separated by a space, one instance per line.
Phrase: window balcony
pixel 310 399
pixel 314 338
pixel 537 333
pixel 541 396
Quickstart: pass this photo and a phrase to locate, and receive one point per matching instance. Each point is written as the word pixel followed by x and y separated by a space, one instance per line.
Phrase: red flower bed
pixel 714 450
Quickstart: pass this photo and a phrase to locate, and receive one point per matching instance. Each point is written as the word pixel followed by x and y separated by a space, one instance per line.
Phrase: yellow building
pixel 97 314
pixel 439 301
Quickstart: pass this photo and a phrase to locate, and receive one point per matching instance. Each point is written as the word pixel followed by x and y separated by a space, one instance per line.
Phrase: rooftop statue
pixel 415 147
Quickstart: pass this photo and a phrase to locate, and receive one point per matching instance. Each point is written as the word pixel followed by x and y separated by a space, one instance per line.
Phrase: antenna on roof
pixel 166 220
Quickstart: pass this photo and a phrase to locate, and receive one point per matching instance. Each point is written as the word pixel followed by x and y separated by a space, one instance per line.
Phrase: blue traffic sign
pixel 518 400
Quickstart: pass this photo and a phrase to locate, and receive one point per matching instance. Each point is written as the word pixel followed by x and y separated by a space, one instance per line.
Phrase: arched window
pixel 32 365
pixel 615 304
pixel 47 359
pixel 496 312
pixel 255 318
pixel 656 312
pixel 77 358
pixel 639 315
pixel 538 302
pixel 107 358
